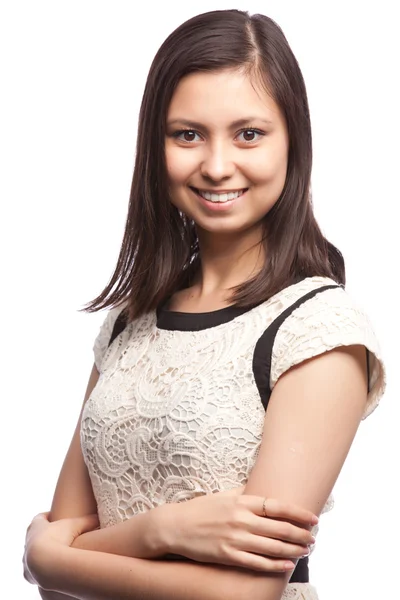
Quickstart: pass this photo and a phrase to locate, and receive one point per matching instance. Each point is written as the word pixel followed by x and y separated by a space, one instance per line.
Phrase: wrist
pixel 161 537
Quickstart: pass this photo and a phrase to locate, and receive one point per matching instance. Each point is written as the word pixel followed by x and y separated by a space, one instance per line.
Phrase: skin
pixel 327 430
pixel 300 459
pixel 214 154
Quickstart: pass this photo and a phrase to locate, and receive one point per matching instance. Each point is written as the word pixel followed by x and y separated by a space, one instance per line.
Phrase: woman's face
pixel 226 151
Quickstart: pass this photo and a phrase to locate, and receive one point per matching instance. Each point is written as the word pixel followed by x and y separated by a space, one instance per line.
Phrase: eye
pixel 185 135
pixel 188 136
pixel 249 135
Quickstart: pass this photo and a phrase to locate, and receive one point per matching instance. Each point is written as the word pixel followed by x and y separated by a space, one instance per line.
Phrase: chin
pixel 232 228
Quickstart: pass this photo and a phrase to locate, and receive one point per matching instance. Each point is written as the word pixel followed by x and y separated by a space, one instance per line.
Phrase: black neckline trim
pixel 185 321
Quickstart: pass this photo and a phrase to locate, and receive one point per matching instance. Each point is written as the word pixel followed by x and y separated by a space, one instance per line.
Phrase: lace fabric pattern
pixel 324 323
pixel 299 591
pixel 176 414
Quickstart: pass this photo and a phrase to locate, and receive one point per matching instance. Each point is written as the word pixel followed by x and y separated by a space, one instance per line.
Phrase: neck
pixel 228 262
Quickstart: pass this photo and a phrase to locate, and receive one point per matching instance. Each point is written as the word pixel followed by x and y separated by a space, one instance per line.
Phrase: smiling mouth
pixel 219 197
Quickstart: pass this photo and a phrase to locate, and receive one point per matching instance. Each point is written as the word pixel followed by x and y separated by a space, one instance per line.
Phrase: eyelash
pixel 176 134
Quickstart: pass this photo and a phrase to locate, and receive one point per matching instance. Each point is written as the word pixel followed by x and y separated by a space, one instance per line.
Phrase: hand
pixel 229 528
pixel 43 536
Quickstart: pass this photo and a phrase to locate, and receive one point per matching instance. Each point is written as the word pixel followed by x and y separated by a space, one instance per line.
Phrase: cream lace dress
pixel 176 412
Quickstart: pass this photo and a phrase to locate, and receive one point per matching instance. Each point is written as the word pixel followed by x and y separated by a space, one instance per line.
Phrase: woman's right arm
pixel 73 496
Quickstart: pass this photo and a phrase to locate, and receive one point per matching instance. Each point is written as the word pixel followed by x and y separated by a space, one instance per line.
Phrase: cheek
pixel 180 165
pixel 266 167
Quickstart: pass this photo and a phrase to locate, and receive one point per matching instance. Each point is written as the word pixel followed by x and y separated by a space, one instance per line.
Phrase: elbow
pixel 49 595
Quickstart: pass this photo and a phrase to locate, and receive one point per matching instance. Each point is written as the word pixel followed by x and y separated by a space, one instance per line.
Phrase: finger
pixel 265 564
pixel 233 492
pixel 37 521
pixel 28 577
pixel 277 509
pixel 26 572
pixel 41 516
pixel 273 548
pixel 280 530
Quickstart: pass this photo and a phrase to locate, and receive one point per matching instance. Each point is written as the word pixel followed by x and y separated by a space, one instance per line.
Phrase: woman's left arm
pixel 312 418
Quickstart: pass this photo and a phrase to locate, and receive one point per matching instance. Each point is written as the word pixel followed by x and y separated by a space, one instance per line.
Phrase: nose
pixel 217 163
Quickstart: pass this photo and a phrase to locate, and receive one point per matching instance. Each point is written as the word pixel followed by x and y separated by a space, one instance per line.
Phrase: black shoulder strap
pixel 119 325
pixel 262 358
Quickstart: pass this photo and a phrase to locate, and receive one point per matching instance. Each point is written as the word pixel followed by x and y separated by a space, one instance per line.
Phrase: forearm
pixel 90 575
pixel 147 535
pixel 137 537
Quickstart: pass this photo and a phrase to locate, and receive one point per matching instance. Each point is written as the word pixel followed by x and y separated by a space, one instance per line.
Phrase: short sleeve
pixel 103 337
pixel 328 320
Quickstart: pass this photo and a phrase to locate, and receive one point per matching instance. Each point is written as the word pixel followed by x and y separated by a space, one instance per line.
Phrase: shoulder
pixel 321 318
pixel 104 335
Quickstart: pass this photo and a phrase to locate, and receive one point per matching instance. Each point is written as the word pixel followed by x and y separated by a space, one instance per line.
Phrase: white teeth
pixel 220 197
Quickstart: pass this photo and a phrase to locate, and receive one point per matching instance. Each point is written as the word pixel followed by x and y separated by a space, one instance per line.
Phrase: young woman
pixel 233 369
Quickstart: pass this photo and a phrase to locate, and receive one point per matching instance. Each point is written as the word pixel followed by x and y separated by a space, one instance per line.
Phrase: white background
pixel 72 75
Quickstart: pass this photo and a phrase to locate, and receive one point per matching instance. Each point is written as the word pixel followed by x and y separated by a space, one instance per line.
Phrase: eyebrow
pixel 233 125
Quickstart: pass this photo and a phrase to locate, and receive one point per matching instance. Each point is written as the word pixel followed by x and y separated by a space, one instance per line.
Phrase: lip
pixel 214 191
pixel 217 206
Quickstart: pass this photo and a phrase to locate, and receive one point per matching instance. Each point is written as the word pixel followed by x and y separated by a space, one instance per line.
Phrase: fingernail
pixel 314 520
pixel 289 566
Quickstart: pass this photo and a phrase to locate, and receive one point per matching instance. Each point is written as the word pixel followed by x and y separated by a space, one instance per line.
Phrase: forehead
pixel 221 96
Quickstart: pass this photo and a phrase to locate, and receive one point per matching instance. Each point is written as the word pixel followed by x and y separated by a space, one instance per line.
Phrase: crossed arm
pixel 313 416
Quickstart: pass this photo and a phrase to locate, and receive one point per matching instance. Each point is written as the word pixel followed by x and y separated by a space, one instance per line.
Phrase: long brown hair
pixel 159 252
